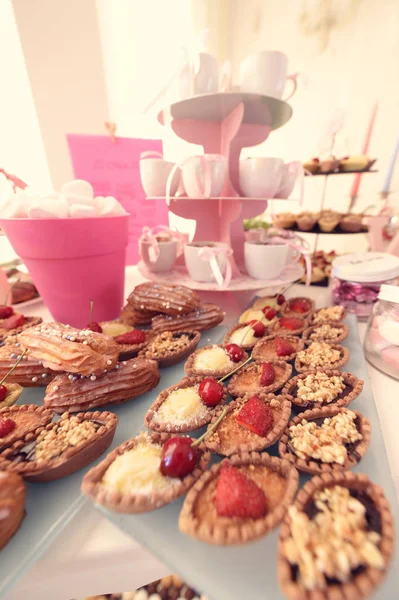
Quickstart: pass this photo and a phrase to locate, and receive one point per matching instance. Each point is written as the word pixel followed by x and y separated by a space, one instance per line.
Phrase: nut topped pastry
pixel 202 318
pixel 17 422
pixel 331 313
pixel 323 388
pixel 63 348
pixel 164 298
pixel 171 347
pixel 333 332
pixel 321 355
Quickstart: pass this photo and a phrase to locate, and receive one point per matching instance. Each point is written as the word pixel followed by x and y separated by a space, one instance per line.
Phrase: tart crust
pixel 191 370
pixel 282 331
pixel 239 531
pixel 237 389
pixel 344 358
pixel 174 356
pixel 362 585
pixel 350 380
pixel 128 351
pixel 252 442
pixel 316 467
pixel 151 422
pixel 258 353
pixel 244 345
pixel 136 503
pixel 14 390
pixel 28 322
pixel 28 418
pixel 338 325
pixel 12 504
pixel 286 310
pixel 316 313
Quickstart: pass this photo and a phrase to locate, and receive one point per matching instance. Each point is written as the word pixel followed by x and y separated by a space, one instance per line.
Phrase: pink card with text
pixel 113 170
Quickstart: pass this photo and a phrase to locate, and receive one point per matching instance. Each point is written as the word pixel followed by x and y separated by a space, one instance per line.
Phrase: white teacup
pixel 291 172
pixel 266 261
pixel 260 177
pixel 166 258
pixel 154 173
pixel 266 73
pixel 199 76
pixel 208 262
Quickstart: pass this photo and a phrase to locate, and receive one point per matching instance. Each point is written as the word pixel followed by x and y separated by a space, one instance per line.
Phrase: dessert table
pixel 92 556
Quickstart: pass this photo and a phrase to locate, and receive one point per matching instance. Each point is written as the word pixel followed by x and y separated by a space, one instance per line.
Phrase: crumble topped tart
pixel 332 333
pixel 171 347
pixel 331 313
pixel 315 389
pixel 321 355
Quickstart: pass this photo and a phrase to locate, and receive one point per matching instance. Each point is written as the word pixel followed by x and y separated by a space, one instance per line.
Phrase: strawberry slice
pixel 258 328
pixel 131 337
pixel 299 305
pixel 13 322
pixel 270 313
pixel 290 323
pixel 283 347
pixel 238 496
pixel 268 374
pixel 257 416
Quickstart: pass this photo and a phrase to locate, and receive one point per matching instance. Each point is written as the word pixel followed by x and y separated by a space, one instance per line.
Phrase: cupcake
pixel 312 165
pixel 285 220
pixel 329 165
pixel 306 221
pixel 351 223
pixel 356 163
pixel 328 220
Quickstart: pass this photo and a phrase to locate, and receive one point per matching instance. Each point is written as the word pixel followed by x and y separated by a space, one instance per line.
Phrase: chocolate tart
pixel 288 311
pixel 355 451
pixel 12 505
pixel 116 328
pixel 265 351
pixel 242 335
pixel 164 298
pixel 352 389
pixel 60 456
pixel 28 322
pixel 143 499
pixel 280 329
pixel 301 367
pixel 14 390
pixel 202 318
pixel 171 347
pixel 125 381
pixel 213 363
pixel 230 437
pixel 189 412
pixel 363 579
pixel 247 380
pixel 330 313
pixel 325 332
pixel 134 317
pixel 28 373
pixel 277 479
pixel 28 418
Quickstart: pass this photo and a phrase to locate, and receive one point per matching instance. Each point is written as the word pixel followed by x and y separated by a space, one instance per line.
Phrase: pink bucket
pixel 73 261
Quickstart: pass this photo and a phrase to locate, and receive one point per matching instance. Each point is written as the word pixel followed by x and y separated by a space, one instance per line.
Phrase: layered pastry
pixel 133 317
pixel 17 422
pixel 170 299
pixel 347 526
pixel 186 406
pixel 332 333
pixel 284 220
pixel 239 500
pixel 15 324
pixel 63 348
pixel 61 448
pixel 323 388
pixel 328 220
pixel 12 505
pixel 126 381
pixel 351 223
pixel 306 220
pixel 299 307
pixel 9 393
pixel 171 347
pixel 331 313
pixel 325 439
pixel 216 361
pixel 245 336
pixel 320 355
pixel 28 373
pixel 130 341
pixel 251 423
pixel 356 163
pixel 290 326
pixel 312 165
pixel 145 473
pixel 275 347
pixel 259 377
pixel 203 318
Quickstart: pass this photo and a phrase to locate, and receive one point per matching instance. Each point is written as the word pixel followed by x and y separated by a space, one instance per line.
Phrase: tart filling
pixel 215 360
pixel 250 380
pixel 319 355
pixel 242 336
pixel 320 387
pixel 211 359
pixel 277 347
pixel 328 332
pixel 170 347
pixel 332 313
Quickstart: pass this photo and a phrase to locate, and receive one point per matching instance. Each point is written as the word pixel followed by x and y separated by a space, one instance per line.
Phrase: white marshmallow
pixel 108 207
pixel 78 187
pixel 389 330
pixel 49 209
pixel 82 211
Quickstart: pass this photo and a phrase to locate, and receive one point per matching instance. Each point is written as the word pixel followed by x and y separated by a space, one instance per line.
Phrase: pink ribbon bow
pixel 210 255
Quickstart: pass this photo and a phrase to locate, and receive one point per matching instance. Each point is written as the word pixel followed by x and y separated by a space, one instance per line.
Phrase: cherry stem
pixel 9 290
pixel 211 428
pixel 13 367
pixel 234 370
pixel 91 311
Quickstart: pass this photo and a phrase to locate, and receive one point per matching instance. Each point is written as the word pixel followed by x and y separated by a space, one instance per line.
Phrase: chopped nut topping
pixel 167 342
pixel 335 542
pixel 275 403
pixel 319 387
pixel 332 313
pixel 325 442
pixel 325 332
pixel 69 432
pixel 319 354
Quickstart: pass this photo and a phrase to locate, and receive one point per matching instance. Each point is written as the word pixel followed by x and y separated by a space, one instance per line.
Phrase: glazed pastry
pixel 28 373
pixel 277 347
pixel 162 298
pixel 285 220
pixel 215 361
pixel 290 326
pixel 259 377
pixel 15 324
pixel 300 307
pixel 125 382
pixel 312 165
pixel 325 439
pixel 332 313
pixel 130 479
pixel 264 486
pixel 332 333
pixel 203 318
pixel 316 389
pixel 61 448
pixel 22 291
pixel 251 424
pixel 329 165
pixel 245 336
pixel 133 317
pixel 186 406
pixel 12 505
pixel 306 221
pixel 63 348
pixel 130 341
pixel 351 223
pixel 356 163
pixel 17 422
pixel 349 532
pixel 320 355
pixel 169 348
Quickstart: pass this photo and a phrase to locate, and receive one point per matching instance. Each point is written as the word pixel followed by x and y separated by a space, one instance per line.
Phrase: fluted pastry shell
pixel 163 298
pixel 63 348
pixel 28 323
pixel 126 381
pixel 30 371
pixel 28 418
pixel 202 318
pixel 14 390
pixel 12 505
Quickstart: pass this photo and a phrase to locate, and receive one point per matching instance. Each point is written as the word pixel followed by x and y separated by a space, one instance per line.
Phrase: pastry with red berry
pixel 186 406
pixel 12 323
pixel 290 326
pixel 171 347
pixel 130 341
pixel 12 505
pixel 215 360
pixel 246 335
pixel 145 473
pixel 239 500
pixel 202 318
pixel 259 377
pixel 250 424
pixel 17 422
pixel 264 302
pixel 312 165
pixel 300 307
pixel 277 347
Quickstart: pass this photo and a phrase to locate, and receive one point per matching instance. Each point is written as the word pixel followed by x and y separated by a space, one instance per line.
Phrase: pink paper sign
pixel 113 170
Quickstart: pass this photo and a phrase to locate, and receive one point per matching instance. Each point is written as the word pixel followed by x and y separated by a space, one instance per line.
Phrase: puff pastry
pixel 30 371
pixel 202 318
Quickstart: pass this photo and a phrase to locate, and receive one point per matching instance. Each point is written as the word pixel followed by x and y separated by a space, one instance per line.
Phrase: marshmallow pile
pixel 76 201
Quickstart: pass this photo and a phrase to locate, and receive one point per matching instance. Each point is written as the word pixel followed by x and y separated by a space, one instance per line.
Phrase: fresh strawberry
pixel 257 416
pixel 299 305
pixel 280 299
pixel 268 374
pixel 6 427
pixel 131 337
pixel 16 320
pixel 238 496
pixel 270 313
pixel 258 327
pixel 283 347
pixel 290 323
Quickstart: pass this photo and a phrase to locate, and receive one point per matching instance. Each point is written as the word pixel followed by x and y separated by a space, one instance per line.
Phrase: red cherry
pixel 280 299
pixel 16 320
pixel 235 352
pixel 6 311
pixel 6 427
pixel 270 314
pixel 258 327
pixel 179 457
pixel 93 326
pixel 131 337
pixel 3 392
pixel 211 391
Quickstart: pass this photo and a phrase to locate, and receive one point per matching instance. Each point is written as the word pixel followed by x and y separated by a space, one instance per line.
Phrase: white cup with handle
pixel 291 172
pixel 202 176
pixel 260 177
pixel 266 73
pixel 200 75
pixel 209 262
pixel 154 173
